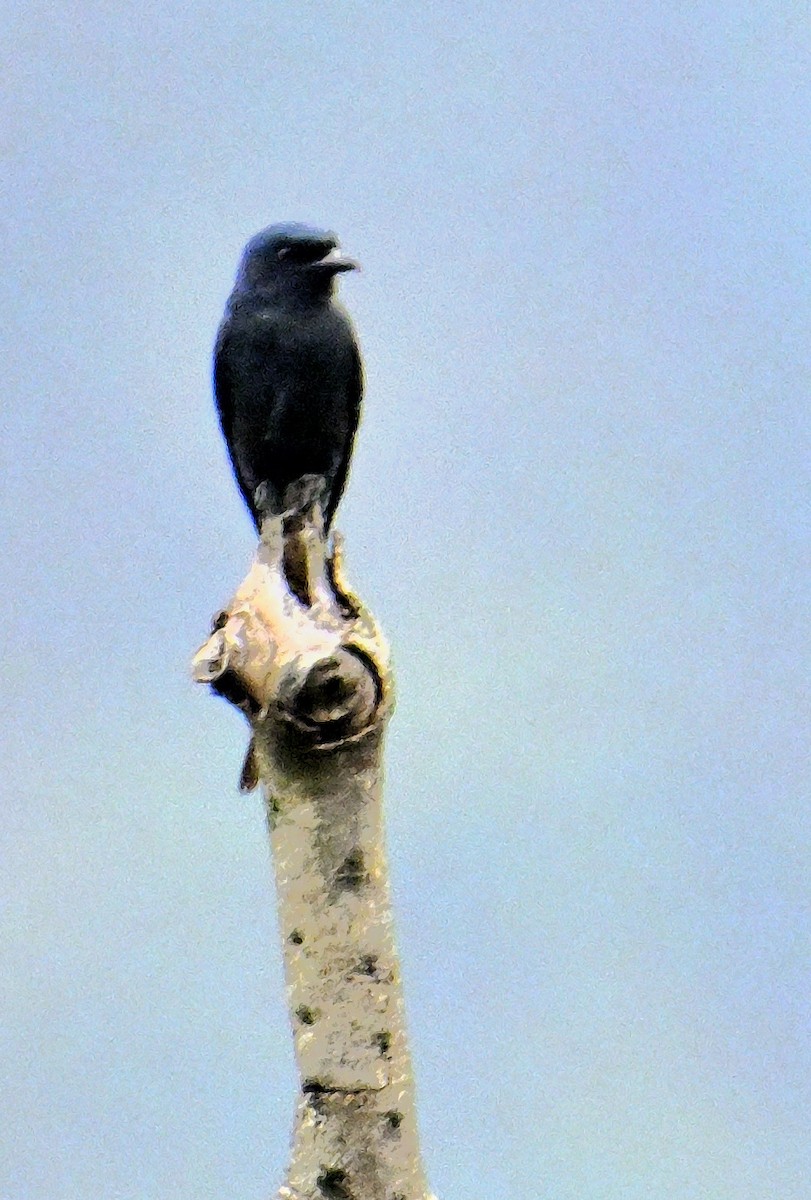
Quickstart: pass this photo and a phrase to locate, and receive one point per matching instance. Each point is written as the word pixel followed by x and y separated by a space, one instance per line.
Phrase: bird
pixel 288 375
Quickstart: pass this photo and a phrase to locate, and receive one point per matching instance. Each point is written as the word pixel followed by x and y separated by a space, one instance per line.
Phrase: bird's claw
pixel 303 496
pixel 266 500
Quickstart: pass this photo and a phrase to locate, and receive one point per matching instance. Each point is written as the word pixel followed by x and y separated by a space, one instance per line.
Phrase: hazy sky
pixel 579 505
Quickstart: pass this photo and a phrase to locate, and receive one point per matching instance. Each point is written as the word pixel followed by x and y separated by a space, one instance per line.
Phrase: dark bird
pixel 288 377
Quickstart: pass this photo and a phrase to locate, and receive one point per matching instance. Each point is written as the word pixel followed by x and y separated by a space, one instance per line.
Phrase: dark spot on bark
pixel 333 1184
pixel 332 689
pixel 352 871
pixel 305 1015
pixel 231 687
pixel 314 1087
pixel 383 1040
pixel 220 620
pixel 249 776
pixel 394 1119
pixel 296 937
pixel 368 965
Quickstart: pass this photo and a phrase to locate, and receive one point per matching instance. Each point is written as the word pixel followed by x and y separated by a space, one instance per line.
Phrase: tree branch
pixel 307 664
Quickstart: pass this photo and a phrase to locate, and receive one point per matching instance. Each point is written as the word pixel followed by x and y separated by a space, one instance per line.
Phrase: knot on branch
pixel 294 649
pixel 336 697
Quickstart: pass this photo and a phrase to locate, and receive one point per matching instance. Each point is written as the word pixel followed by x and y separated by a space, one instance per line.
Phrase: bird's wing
pixel 223 382
pixel 245 349
pixel 355 395
pixel 239 355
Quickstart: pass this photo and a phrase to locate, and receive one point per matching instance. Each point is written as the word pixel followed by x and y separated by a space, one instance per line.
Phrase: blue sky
pixel 579 505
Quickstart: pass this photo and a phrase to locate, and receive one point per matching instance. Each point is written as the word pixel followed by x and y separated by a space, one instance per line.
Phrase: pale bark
pixel 310 668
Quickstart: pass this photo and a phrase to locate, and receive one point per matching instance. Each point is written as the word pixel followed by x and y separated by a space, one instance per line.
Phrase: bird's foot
pixel 304 499
pixel 304 535
pixel 266 501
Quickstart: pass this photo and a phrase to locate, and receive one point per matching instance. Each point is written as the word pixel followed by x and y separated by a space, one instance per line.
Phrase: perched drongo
pixel 288 377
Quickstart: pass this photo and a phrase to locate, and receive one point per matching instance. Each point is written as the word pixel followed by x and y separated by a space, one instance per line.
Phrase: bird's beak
pixel 335 261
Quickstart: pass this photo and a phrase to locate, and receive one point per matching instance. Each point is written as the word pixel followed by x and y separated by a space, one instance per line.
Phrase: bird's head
pixel 292 258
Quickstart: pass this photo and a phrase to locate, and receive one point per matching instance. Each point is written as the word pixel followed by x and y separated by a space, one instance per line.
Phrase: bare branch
pixel 306 663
